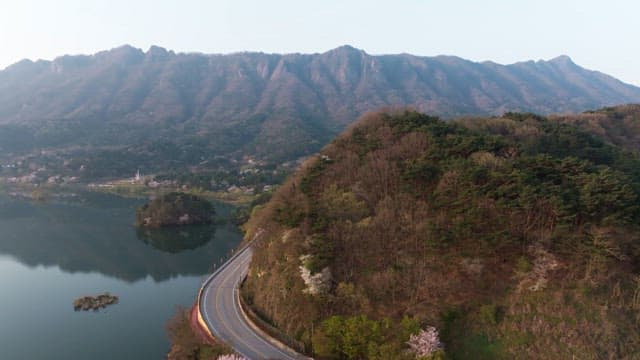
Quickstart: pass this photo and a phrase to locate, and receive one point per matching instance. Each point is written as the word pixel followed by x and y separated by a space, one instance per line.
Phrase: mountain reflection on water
pixel 95 233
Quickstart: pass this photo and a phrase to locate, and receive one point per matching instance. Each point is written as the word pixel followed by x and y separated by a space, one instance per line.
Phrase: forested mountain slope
pixel 619 125
pixel 167 109
pixel 514 236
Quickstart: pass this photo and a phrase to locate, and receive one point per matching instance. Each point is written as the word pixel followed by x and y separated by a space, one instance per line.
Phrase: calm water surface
pixel 53 252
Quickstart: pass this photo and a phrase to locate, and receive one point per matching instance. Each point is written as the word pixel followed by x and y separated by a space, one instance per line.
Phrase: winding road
pixel 220 310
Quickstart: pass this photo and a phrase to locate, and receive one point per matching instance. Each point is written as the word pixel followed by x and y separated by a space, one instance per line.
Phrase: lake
pixel 55 251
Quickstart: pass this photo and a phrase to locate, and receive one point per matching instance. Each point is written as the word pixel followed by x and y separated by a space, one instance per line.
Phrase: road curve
pixel 221 312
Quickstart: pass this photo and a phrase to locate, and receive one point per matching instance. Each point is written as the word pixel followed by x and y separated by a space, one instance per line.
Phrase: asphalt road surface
pixel 220 309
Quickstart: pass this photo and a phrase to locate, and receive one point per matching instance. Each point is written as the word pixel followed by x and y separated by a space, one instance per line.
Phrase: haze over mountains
pixel 265 105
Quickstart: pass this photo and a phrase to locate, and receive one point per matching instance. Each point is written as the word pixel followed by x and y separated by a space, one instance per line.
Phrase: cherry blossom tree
pixel 426 342
pixel 231 357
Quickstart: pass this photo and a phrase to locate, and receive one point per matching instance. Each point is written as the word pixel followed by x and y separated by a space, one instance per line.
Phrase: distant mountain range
pixel 266 105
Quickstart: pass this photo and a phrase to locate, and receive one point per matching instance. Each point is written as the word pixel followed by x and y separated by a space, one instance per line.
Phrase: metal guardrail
pixel 250 315
pixel 267 328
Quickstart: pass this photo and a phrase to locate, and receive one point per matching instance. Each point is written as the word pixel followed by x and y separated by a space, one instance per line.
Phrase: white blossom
pixel 426 342
pixel 231 357
pixel 316 283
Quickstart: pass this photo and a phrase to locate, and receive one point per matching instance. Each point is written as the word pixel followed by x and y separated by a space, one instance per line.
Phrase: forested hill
pixel 500 237
pixel 619 125
pixel 266 105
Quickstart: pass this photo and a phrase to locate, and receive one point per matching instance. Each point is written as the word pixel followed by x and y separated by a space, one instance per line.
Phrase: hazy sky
pixel 600 35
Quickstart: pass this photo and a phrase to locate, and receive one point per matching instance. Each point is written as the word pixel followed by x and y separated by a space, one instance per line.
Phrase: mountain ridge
pixel 340 63
pixel 276 105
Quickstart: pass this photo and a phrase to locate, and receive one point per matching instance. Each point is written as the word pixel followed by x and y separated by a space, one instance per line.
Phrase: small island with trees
pixel 175 209
pixel 86 303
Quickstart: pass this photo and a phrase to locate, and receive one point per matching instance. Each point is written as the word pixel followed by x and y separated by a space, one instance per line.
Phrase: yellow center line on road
pixel 221 318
